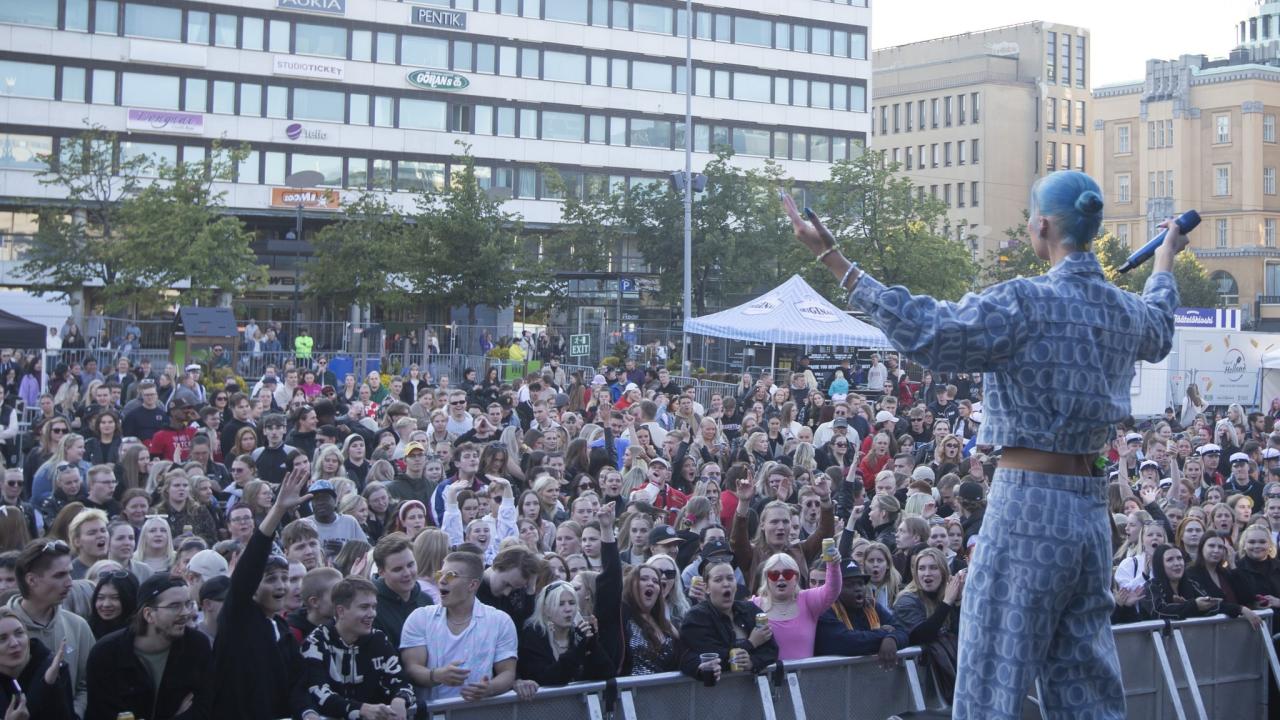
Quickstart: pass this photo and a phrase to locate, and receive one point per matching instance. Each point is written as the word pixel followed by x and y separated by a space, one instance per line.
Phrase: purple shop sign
pixel 165 121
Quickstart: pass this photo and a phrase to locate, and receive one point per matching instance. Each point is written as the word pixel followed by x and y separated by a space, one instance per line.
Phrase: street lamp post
pixel 688 185
pixel 299 180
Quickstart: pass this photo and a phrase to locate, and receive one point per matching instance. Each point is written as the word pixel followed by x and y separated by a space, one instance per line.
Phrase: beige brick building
pixel 1202 134
pixel 975 118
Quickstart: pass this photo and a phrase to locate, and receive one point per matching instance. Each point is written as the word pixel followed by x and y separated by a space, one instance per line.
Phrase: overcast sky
pixel 1125 33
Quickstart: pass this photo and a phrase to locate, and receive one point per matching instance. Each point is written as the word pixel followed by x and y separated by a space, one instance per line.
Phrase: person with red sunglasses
pixel 793 613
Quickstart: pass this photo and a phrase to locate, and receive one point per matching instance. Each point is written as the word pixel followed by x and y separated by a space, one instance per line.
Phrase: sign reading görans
pixel 309 68
pixel 436 17
pixel 329 7
pixel 436 80
pixel 165 121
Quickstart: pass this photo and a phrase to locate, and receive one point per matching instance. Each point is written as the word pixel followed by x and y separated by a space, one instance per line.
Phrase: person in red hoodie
pixel 657 490
pixel 176 437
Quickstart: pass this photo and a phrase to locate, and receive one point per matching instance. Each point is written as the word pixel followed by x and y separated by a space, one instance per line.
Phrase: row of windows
pixel 946 196
pixel 1222 238
pixel 1060 62
pixel 1160 132
pixel 258 33
pixel 197 94
pixel 937 155
pixel 1063 114
pixel 1160 184
pixel 1063 156
pixel 936 112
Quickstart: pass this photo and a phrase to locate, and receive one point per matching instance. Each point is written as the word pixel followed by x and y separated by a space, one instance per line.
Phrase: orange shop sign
pixel 308 198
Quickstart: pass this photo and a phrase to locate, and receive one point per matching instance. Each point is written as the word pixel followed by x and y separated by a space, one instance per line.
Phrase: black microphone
pixel 1186 222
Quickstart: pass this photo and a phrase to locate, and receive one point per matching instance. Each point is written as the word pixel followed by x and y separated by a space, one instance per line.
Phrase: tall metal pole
pixel 297 269
pixel 688 185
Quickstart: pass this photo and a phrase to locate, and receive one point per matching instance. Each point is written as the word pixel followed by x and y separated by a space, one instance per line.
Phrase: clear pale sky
pixel 1125 33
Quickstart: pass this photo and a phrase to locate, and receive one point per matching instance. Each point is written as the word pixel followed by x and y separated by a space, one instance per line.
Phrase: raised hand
pixel 51 675
pixel 811 233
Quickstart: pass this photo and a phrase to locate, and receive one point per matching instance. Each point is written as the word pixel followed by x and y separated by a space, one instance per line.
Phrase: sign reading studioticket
pixel 165 121
pixel 313 68
pixel 307 198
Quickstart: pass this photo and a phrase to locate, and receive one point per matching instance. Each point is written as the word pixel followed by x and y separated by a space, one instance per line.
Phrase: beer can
pixel 828 549
pixel 762 620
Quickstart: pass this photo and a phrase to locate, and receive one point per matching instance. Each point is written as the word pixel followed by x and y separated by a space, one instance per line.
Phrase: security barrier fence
pixel 1202 668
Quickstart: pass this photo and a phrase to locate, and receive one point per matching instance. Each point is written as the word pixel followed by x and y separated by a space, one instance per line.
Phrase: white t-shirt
pixel 489 639
pixel 342 529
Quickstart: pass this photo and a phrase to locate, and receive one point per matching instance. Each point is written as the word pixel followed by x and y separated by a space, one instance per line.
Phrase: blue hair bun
pixel 1089 203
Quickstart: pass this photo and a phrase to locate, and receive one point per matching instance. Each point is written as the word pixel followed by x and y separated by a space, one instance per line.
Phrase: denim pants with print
pixel 1037 602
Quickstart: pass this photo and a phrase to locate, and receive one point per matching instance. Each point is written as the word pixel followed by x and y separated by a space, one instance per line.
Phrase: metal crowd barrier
pixel 825 687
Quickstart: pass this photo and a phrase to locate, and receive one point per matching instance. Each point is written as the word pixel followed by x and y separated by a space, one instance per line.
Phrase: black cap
pixel 851 570
pixel 663 534
pixel 153 586
pixel 215 588
pixel 715 549
pixel 970 490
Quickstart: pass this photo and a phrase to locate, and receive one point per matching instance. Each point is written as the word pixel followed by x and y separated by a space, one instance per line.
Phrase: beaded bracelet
pixel 826 252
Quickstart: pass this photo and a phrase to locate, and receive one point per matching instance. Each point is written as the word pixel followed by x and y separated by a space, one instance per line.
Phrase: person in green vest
pixel 302 347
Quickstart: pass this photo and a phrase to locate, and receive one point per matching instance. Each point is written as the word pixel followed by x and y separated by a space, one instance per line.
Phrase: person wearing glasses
pixel 43 571
pixel 461 647
pixel 11 496
pixel 158 644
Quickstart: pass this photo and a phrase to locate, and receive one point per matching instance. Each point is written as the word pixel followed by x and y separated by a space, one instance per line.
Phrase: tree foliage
pixel 359 259
pixel 139 227
pixel 1015 259
pixel 1195 289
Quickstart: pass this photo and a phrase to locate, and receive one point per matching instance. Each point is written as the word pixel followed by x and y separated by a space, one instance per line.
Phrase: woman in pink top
pixel 793 613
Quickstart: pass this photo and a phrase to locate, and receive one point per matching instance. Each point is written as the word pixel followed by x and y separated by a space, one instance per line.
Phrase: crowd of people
pixel 310 546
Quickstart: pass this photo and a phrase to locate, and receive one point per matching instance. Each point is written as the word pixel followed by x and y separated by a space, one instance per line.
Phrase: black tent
pixel 21 334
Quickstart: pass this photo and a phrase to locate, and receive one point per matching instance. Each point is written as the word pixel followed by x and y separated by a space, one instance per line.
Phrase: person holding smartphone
pixel 1058 353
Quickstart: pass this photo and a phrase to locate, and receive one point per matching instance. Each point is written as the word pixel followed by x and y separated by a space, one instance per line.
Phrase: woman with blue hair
pixel 1058 353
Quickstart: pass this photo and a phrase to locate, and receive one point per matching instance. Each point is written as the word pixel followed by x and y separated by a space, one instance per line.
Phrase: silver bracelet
pixel 853 267
pixel 825 253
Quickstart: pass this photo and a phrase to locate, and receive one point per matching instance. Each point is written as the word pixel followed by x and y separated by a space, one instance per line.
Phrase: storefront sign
pixel 437 80
pixel 307 198
pixel 165 121
pixel 309 68
pixel 1207 318
pixel 436 17
pixel 303 133
pixel 329 7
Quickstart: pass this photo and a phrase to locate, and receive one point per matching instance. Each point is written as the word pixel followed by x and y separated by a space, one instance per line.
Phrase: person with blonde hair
pixel 557 644
pixel 155 546
pixel 793 613
pixel 429 550
pixel 883 580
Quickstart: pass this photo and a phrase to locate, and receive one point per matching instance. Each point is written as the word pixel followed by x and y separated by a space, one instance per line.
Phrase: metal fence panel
pixel 1230 668
pixel 854 688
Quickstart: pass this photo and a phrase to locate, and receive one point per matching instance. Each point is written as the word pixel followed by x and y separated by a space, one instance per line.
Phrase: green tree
pixel 893 235
pixel 466 251
pixel 189 238
pixel 590 232
pixel 360 258
pixel 1016 258
pixel 1195 289
pixel 79 240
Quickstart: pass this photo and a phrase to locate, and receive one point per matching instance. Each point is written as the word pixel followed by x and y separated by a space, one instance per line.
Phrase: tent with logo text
pixel 791 314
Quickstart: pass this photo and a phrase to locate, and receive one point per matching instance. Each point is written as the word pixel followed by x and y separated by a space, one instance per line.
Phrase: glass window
pixel 357 173
pixel 820 40
pixel 840 43
pixel 247 171
pixel 565 67
pixel 781 145
pixel 702 82
pixel 462 55
pixel 702 28
pixel 508 7
pixel 751 142
pixel 198 27
pixel 224 30
pixel 323 40
pixel 858 45
pixel 224 99
pixel 106 18
pixel 840 99
pixel 526 183
pixel 618 72
pixel 682 24
pixel 415 176
pixel 799 144
pixel 600 13
pixel 752 31
pixel 251 99
pixel 158 153
pixel 22 152
pixel 701 138
pixel 679 79
pixel 752 87
pixel 507 61
pixel 621 17
pixel 253 30
pixel 650 76
pixel 650 133
pixel 820 94
pixel 529 65
pixel 599 71
pixel 279 38
pixel 193 155
pixel 563 126
pixel 153 91
pixel 423 114
pixel 819 148
pixel 31 12
pixel 724 29
pixel 328 166
pixel 566 10
pixel 104 87
pixel 721 83
pixel 277 102
pixel 77 15
pixel 384 111
pixel 382 178
pixel 800 93
pixel 800 38
pixel 596 132
pixel 311 104
pixel 195 95
pixel 617 131
pixel 362 45
pixel 528 123
pixel 858 99
pixel 273 168
pixel 484 58
pixel 782 35
pixel 386 50
pixel 424 51
pixel 484 120
pixel 719 136
pixel 507 121
pixel 781 90
pixel 74 80
pixel 358 106
pixel 152 21
pixel 840 149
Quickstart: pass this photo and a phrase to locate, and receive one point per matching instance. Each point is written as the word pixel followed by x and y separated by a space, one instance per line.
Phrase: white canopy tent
pixel 1270 386
pixel 791 314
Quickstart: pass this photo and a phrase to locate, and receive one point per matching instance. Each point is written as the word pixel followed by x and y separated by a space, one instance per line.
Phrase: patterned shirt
pixel 1057 351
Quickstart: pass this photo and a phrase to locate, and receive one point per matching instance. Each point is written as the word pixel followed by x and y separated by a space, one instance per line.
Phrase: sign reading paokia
pixel 313 198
